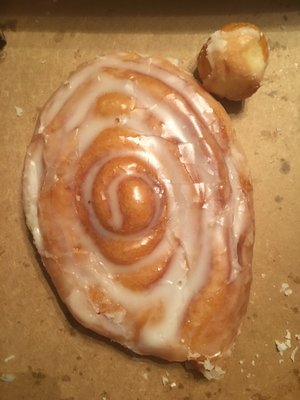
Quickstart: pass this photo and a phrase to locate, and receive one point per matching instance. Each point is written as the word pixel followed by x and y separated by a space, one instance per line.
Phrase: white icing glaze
pixel 217 43
pixel 32 177
pixel 184 278
pixel 218 40
pixel 248 31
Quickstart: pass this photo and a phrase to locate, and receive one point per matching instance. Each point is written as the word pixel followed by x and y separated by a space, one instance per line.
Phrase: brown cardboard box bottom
pixel 53 357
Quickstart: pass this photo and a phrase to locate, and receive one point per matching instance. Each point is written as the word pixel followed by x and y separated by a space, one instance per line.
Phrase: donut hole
pixel 232 62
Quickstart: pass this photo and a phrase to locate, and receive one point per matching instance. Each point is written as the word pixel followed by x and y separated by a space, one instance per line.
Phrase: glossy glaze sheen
pixel 140 207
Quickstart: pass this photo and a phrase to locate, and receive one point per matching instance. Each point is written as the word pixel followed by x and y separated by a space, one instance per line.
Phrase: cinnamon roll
pixel 140 206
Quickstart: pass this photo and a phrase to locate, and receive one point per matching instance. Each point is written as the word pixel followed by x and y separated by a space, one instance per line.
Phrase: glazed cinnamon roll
pixel 139 203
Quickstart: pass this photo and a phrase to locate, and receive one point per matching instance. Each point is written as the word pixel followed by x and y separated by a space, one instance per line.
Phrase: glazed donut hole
pixel 232 62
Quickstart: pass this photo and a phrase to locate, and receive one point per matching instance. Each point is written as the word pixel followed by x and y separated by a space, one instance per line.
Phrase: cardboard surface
pixel 54 358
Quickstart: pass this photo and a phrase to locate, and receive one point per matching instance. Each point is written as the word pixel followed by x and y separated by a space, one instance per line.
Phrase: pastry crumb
pixel 281 347
pixel 287 344
pixel 165 380
pixel 145 375
pixel 285 288
pixel 19 111
pixel 104 396
pixel 7 377
pixel 294 353
pixel 9 358
pixel 288 335
pixel 288 338
pixel 211 371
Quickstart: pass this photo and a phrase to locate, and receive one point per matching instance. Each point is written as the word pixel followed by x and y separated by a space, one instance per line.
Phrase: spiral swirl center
pixel 125 199
pixel 137 204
